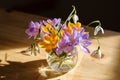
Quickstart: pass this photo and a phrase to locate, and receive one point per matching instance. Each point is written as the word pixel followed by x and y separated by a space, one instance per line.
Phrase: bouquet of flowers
pixel 60 38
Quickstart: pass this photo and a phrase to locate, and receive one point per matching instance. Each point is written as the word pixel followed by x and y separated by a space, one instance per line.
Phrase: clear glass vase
pixel 62 63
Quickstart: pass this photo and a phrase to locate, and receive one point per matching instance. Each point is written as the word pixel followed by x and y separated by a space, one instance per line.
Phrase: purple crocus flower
pixel 79 38
pixel 64 46
pixel 69 41
pixel 33 29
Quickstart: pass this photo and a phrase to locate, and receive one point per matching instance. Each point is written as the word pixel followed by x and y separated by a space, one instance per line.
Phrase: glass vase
pixel 62 63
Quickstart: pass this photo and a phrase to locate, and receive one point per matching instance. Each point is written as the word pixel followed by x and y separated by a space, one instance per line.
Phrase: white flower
pixel 98 52
pixel 75 18
pixel 97 29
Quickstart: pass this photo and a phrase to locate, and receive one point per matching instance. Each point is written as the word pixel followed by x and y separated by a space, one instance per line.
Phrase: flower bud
pixel 75 18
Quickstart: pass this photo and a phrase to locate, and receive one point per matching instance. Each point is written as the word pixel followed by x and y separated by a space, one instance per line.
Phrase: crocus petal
pixel 87 43
pixel 54 22
pixel 37 25
pixel 74 51
pixel 74 33
pixel 68 49
pixel 82 31
pixel 33 29
pixel 31 32
pixel 85 36
pixel 76 25
pixel 86 50
pixel 58 51
pixel 48 50
pixel 31 24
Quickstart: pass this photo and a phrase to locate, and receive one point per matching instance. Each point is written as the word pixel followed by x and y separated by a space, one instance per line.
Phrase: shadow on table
pixel 33 70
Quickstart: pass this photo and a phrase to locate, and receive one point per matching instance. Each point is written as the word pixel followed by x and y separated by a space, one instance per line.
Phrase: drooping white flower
pixel 97 29
pixel 99 54
pixel 75 18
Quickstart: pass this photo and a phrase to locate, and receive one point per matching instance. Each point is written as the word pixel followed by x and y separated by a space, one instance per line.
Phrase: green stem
pixel 96 21
pixel 53 52
pixel 61 62
pixel 70 15
pixel 98 42
pixel 33 46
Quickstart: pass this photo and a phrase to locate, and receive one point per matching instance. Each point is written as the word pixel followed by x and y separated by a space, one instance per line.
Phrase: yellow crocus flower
pixel 49 42
pixel 71 26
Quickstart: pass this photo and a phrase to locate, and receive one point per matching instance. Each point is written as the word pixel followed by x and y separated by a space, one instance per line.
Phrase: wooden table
pixel 24 67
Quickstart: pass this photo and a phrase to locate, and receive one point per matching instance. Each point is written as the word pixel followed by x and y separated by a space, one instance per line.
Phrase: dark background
pixel 107 11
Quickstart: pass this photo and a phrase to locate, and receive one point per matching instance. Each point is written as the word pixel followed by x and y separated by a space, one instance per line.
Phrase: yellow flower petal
pixel 48 50
pixel 69 29
pixel 72 25
pixel 78 24
pixel 62 33
pixel 46 28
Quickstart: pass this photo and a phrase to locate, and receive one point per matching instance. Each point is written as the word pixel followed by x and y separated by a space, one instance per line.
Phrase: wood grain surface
pixel 19 66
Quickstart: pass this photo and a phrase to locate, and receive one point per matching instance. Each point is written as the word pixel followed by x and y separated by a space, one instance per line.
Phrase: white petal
pixel 102 30
pixel 96 30
pixel 99 54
